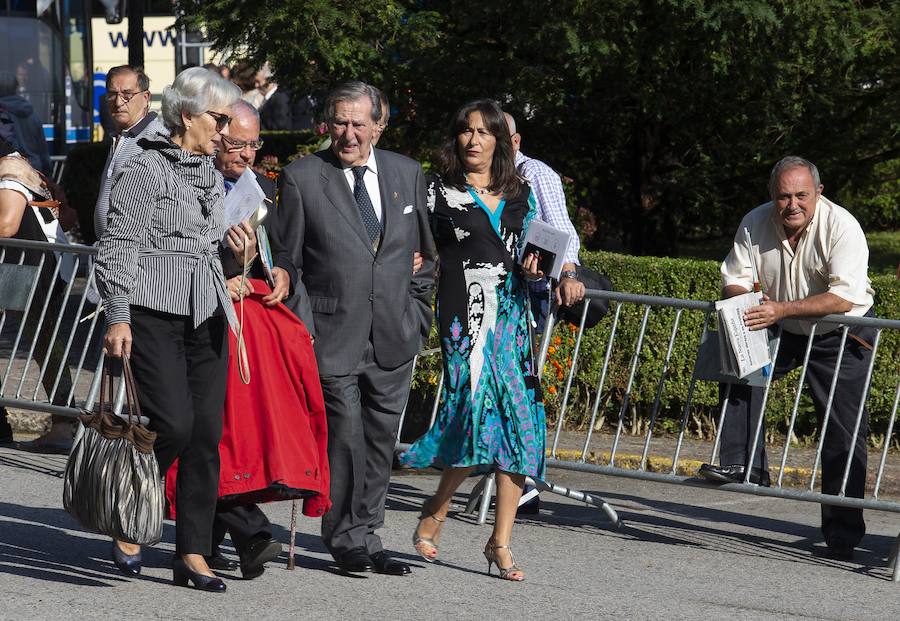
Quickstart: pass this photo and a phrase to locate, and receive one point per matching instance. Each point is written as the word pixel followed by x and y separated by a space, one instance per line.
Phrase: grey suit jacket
pixel 346 291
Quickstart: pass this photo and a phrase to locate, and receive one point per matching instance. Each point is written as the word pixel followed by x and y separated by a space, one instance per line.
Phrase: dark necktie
pixel 229 183
pixel 366 209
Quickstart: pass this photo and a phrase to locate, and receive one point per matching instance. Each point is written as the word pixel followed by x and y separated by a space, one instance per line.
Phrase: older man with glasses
pixel 250 529
pixel 128 100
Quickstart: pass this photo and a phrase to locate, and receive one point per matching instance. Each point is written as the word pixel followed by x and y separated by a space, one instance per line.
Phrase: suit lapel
pixel 338 192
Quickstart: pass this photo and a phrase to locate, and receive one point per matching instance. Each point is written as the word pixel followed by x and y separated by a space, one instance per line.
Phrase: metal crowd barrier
pixel 689 323
pixel 50 350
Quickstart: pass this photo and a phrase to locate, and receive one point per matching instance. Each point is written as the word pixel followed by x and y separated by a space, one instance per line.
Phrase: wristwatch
pixel 569 274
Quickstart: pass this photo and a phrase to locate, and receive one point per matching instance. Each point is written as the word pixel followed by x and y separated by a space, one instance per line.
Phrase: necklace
pixel 476 189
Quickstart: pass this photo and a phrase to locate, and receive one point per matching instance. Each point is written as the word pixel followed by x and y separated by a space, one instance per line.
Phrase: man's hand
pixel 766 314
pixel 117 341
pixel 418 261
pixel 570 291
pixel 234 288
pixel 281 289
pixel 238 236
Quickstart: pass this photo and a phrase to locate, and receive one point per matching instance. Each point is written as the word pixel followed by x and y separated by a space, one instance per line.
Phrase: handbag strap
pixel 134 405
pixel 106 381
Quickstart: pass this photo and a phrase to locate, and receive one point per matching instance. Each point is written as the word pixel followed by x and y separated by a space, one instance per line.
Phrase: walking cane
pixel 293 534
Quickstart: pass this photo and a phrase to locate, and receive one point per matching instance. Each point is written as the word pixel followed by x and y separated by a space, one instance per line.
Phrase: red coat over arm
pixel 275 436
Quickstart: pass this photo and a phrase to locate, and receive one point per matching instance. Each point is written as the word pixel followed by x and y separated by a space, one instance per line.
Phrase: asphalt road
pixel 684 553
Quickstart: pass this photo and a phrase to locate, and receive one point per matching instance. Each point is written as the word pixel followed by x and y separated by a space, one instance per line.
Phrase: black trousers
pixel 840 525
pixel 246 523
pixel 181 373
pixel 363 411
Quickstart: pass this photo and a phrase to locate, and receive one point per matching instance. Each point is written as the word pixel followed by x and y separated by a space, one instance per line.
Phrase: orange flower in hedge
pixel 551 350
pixel 573 328
pixel 557 340
pixel 559 375
pixel 552 390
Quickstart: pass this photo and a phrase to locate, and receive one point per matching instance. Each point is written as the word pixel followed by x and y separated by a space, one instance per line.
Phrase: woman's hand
pixel 530 267
pixel 234 288
pixel 117 341
pixel 240 236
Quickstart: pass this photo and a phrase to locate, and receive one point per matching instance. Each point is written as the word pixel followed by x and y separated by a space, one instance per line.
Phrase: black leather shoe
pixel 220 563
pixel 128 564
pixel 6 432
pixel 258 553
pixel 840 551
pixel 734 474
pixel 384 564
pixel 182 574
pixel 355 561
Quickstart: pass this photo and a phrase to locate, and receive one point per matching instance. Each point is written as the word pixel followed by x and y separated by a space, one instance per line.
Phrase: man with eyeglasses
pixel 238 153
pixel 250 530
pixel 128 100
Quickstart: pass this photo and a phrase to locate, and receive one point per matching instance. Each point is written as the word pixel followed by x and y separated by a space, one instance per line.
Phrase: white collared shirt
pixel 371 181
pixel 831 257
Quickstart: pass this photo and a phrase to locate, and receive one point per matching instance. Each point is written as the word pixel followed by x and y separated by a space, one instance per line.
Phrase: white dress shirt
pixel 370 178
pixel 831 257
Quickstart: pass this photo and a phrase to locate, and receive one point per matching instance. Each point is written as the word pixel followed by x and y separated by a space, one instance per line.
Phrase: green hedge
pixel 678 278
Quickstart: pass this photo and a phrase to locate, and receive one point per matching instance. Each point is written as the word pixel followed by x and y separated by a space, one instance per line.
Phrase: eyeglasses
pixel 126 96
pixel 239 145
pixel 222 120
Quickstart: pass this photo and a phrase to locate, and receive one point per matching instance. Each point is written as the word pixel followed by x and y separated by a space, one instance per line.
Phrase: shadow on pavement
pixel 682 524
pixel 31 547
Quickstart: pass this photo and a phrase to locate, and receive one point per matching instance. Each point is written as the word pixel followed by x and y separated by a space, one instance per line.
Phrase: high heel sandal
pixel 182 574
pixel 419 540
pixel 506 573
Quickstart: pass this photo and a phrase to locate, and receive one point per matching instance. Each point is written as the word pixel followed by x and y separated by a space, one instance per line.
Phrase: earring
pixel 187 125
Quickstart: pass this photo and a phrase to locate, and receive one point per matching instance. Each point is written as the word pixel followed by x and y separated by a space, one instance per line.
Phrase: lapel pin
pixel 395 196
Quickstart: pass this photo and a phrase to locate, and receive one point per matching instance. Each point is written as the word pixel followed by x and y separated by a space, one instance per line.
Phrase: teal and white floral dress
pixel 491 411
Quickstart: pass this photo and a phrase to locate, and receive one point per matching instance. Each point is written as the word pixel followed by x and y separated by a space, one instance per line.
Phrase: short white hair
pixel 789 162
pixel 195 91
pixel 510 123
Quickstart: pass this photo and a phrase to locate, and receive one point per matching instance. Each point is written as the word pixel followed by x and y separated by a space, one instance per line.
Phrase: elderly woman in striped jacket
pixel 160 277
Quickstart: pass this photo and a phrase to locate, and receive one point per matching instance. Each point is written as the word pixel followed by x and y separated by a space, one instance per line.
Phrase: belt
pixel 201 281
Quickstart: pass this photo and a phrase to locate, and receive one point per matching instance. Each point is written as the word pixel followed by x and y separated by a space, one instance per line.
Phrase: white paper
pixel 244 199
pixel 742 351
pixel 548 239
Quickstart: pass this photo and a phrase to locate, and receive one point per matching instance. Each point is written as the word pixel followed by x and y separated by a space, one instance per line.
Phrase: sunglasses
pixel 222 120
pixel 232 146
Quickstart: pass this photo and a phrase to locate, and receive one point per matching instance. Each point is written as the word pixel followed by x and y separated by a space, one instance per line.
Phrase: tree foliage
pixel 667 114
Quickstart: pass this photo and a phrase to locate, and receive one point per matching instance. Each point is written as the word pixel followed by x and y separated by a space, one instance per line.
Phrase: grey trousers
pixel 840 525
pixel 363 411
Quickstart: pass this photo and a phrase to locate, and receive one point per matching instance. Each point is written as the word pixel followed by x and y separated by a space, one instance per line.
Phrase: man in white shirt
pixel 812 260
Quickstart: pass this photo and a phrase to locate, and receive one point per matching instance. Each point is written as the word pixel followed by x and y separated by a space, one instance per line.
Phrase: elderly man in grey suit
pixel 354 220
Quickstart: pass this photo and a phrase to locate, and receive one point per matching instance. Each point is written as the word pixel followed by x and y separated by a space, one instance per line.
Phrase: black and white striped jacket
pixel 160 249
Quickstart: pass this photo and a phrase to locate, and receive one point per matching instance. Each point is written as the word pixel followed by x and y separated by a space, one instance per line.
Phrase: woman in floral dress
pixel 491 411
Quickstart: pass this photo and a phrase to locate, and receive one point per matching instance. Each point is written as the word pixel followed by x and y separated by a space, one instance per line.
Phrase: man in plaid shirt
pixel 551 208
